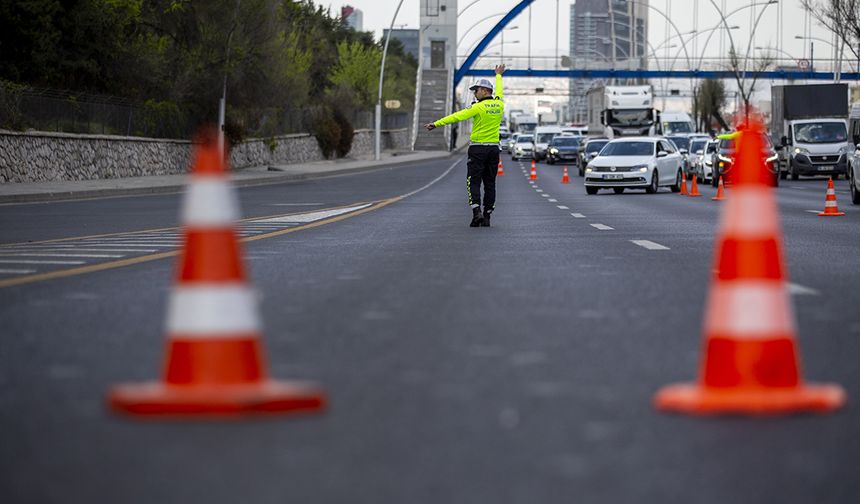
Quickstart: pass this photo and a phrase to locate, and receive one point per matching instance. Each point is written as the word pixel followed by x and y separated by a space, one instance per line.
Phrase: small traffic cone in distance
pixel 501 172
pixel 751 363
pixel 533 174
pixel 694 187
pixel 720 191
pixel 831 209
pixel 565 179
pixel 214 364
pixel 684 183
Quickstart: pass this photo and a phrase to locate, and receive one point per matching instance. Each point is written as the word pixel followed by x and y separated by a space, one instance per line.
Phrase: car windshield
pixel 628 149
pixel 545 137
pixel 595 146
pixel 681 142
pixel 697 145
pixel 525 139
pixel 565 141
pixel 676 127
pixel 830 132
pixel 712 147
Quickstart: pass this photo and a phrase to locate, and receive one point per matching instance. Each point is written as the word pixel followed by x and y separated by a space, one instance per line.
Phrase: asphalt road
pixel 508 364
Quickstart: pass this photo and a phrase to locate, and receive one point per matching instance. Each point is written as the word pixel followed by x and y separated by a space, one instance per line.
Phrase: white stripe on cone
pixel 212 310
pixel 750 310
pixel 751 213
pixel 209 202
pixel 829 203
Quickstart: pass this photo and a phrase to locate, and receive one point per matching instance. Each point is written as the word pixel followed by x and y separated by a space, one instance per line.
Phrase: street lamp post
pixel 836 56
pixel 378 131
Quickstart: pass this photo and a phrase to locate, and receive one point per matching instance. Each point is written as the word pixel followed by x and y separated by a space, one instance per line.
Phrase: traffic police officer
pixel 484 146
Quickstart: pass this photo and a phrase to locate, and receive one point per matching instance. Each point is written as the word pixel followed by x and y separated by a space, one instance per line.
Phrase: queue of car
pixel 650 163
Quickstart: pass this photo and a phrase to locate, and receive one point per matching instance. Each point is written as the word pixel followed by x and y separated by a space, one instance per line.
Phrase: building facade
pixel 605 34
pixel 410 39
pixel 353 17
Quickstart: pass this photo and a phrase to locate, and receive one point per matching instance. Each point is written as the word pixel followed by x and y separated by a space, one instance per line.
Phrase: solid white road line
pixel 813 211
pixel 16 271
pixel 296 204
pixel 137 244
pixel 39 254
pixel 602 227
pixel 26 261
pixel 562 207
pixel 800 290
pixel 73 249
pixel 577 216
pixel 648 244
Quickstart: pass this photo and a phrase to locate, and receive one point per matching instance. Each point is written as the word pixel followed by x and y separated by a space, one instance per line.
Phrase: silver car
pixel 524 147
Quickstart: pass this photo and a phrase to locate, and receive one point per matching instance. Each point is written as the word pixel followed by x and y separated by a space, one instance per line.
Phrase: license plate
pixel 825 168
pixel 613 176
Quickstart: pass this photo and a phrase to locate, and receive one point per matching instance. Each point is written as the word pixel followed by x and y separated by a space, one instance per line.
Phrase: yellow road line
pixel 144 231
pixel 40 277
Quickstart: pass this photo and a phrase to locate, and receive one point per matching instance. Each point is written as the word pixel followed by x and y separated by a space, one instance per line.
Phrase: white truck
pixel 523 123
pixel 619 111
pixel 808 126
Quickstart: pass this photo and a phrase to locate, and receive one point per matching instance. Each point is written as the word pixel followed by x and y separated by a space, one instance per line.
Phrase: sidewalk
pixel 79 189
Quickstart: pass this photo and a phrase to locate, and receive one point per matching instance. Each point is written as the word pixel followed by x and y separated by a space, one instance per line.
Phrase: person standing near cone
pixel 487 112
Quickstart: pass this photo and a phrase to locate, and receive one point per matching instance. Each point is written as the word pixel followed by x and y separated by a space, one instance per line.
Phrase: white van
pixel 543 137
pixel 676 123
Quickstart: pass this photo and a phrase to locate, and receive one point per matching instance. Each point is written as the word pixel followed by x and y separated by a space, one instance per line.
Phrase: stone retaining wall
pixel 41 157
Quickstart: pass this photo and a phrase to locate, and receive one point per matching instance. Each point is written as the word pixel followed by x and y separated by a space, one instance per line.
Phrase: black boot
pixel 486 222
pixel 477 218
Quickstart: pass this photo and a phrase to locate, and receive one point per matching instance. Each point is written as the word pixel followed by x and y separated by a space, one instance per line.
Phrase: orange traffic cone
pixel 533 174
pixel 720 191
pixel 694 187
pixel 831 209
pixel 501 172
pixel 214 363
pixel 751 363
pixel 684 183
pixel 565 179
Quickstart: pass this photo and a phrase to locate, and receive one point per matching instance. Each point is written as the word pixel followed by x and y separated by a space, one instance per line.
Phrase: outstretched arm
pixel 499 92
pixel 460 115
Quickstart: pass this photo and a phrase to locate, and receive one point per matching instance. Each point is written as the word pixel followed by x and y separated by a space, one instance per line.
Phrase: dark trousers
pixel 482 168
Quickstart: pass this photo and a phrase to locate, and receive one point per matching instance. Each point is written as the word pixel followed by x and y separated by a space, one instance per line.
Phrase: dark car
pixel 588 151
pixel 725 160
pixel 683 145
pixel 563 148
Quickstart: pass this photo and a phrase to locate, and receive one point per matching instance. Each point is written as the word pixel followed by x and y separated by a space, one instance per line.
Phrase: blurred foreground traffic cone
pixel 533 174
pixel 720 191
pixel 831 209
pixel 694 187
pixel 214 363
pixel 501 172
pixel 684 183
pixel 565 179
pixel 751 363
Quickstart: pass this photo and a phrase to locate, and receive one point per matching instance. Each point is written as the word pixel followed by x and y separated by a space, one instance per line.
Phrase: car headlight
pixel 640 168
pixel 589 170
pixel 554 150
pixel 724 159
pixel 801 150
pixel 772 159
pixel 846 149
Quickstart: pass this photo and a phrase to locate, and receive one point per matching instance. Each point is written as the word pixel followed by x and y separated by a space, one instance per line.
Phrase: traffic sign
pixel 803 64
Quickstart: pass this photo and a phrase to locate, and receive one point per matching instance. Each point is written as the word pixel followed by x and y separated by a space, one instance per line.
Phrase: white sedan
pixel 636 162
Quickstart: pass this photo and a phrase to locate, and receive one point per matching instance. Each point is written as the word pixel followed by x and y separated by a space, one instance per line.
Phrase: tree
pixel 712 99
pixel 745 83
pixel 842 17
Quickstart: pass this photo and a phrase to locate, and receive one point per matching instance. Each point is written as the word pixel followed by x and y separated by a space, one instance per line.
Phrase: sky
pixel 777 28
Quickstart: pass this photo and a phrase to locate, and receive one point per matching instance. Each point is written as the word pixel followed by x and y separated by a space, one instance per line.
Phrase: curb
pixel 175 188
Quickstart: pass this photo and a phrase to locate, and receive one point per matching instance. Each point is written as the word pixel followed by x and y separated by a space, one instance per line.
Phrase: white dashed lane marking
pixel 562 207
pixel 552 200
pixel 602 227
pixel 648 244
pixel 545 195
pixel 5 271
pixel 577 216
pixel 27 261
pixel 800 290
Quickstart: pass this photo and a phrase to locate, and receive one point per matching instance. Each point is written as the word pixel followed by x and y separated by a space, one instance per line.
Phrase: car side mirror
pixel 779 147
pixel 662 154
pixel 858 146
pixel 784 140
pixel 699 152
pixel 683 151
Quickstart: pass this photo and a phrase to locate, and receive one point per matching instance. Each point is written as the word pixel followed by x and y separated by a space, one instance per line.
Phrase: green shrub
pixel 327 131
pixel 347 132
